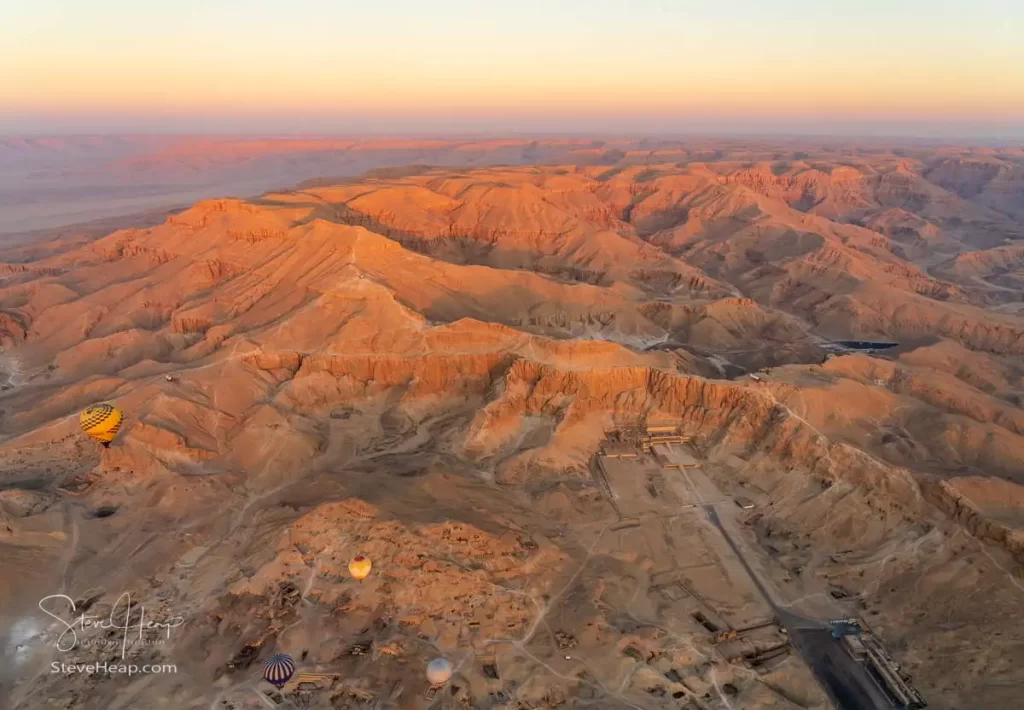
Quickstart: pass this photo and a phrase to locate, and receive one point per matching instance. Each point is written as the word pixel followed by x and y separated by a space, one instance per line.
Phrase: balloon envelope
pixel 360 567
pixel 101 422
pixel 439 671
pixel 278 669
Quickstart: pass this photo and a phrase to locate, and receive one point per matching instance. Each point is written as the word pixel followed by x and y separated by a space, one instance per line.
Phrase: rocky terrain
pixel 420 365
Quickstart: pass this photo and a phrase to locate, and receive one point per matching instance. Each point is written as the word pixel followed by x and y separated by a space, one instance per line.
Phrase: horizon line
pixel 483 135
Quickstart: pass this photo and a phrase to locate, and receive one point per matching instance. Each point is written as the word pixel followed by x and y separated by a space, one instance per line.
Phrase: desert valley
pixel 593 408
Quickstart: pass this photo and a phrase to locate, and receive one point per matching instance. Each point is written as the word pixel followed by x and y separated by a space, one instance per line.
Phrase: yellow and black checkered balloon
pixel 101 422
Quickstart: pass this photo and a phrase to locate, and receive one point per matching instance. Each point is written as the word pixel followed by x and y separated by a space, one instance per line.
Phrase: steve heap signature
pixel 69 637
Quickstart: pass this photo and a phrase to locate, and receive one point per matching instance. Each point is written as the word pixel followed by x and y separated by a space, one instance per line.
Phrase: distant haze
pixel 905 68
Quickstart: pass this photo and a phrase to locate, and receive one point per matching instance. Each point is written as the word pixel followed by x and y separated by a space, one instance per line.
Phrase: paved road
pixel 846 681
pixel 784 615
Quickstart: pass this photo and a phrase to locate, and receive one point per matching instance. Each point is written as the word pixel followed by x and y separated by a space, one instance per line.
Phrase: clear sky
pixel 900 67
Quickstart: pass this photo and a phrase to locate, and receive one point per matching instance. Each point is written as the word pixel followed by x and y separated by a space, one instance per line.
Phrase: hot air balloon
pixel 278 669
pixel 439 671
pixel 360 567
pixel 101 422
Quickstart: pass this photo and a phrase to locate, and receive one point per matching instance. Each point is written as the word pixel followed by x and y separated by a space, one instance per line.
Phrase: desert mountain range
pixel 421 364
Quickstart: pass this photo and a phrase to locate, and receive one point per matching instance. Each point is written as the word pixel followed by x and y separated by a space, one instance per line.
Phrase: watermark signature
pixel 105 667
pixel 146 627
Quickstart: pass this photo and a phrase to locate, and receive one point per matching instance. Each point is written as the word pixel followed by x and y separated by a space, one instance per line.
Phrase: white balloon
pixel 439 671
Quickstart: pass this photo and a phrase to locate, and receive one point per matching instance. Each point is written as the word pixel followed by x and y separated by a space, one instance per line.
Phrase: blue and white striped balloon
pixel 278 669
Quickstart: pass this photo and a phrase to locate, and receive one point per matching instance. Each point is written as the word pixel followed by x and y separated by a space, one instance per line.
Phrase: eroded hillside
pixel 422 366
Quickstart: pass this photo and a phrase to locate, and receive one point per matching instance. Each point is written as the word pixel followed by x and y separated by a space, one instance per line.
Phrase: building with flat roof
pixel 662 428
pixel 618 450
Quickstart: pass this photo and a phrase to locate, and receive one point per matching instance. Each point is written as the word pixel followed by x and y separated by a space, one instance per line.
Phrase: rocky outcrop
pixel 958 506
pixel 12 329
pixel 985 263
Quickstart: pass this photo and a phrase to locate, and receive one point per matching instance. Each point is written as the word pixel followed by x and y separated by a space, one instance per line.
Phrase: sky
pixel 870 67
